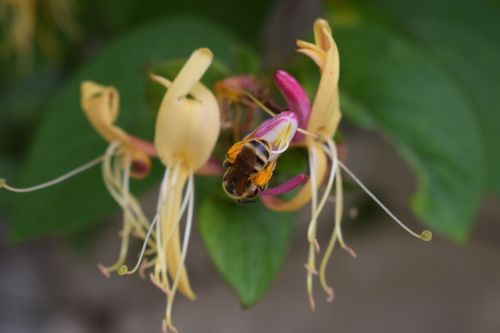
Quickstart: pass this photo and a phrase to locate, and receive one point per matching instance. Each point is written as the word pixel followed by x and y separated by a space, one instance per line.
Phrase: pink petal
pixel 286 187
pixel 295 97
pixel 213 167
pixel 143 145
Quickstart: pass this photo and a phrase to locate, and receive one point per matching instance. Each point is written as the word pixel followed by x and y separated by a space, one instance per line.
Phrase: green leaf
pixel 247 243
pixel 65 139
pixel 462 37
pixel 245 18
pixel 418 106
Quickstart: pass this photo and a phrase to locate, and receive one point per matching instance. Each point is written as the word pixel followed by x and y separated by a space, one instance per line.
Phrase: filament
pixel 123 270
pixel 425 235
pixel 331 151
pixel 311 232
pixel 331 244
pixel 272 114
pixel 54 181
pixel 185 243
pixel 259 104
pixel 331 178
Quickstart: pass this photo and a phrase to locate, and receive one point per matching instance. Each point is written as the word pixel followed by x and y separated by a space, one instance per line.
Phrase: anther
pixel 103 270
pixel 312 304
pixel 122 270
pixel 330 294
pixel 426 235
pixel 2 182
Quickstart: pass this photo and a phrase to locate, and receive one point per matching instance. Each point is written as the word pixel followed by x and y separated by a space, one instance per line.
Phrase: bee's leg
pixel 234 151
pixel 263 176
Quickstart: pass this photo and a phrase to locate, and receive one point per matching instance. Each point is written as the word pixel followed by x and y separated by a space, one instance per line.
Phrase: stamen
pixel 169 181
pixel 123 270
pixel 425 235
pixel 331 244
pixel 185 243
pixel 128 219
pixel 259 103
pixel 331 178
pixel 331 151
pixel 311 232
pixel 272 114
pixel 144 266
pixel 60 179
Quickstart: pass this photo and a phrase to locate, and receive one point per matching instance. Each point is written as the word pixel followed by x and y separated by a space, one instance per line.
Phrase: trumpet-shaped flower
pixel 317 126
pixel 125 157
pixel 187 128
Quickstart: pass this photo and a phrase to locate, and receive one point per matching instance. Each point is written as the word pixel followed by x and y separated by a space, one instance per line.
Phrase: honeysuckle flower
pixel 187 128
pixel 126 157
pixel 317 126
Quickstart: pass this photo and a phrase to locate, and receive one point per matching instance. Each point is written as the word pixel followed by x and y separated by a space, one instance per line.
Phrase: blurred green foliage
pixel 422 73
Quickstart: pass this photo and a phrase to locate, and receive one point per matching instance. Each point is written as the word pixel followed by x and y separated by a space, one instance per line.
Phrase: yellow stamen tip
pixel 2 182
pixel 122 270
pixel 426 236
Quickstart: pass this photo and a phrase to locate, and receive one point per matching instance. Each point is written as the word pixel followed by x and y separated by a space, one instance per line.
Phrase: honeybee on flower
pixel 317 125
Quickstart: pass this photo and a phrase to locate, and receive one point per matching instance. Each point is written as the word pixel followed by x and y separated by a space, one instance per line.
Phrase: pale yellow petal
pixel 325 113
pixel 303 197
pixel 169 215
pixel 188 122
pixel 191 73
pixel 101 106
pixel 315 53
pixel 322 34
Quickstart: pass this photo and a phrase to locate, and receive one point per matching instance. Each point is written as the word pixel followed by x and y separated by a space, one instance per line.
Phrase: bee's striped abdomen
pixel 261 149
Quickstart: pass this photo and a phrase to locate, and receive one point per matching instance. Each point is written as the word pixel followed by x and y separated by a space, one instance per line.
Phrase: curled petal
pixel 295 97
pixel 325 114
pixel 188 122
pixel 101 106
pixel 315 53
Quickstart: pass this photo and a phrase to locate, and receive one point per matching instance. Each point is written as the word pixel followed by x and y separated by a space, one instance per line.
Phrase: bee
pixel 247 169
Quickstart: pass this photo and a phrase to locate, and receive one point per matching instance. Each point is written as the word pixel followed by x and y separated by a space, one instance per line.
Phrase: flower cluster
pixel 317 125
pixel 187 128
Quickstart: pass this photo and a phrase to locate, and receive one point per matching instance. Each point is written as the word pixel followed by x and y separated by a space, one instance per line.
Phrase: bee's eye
pixel 227 164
